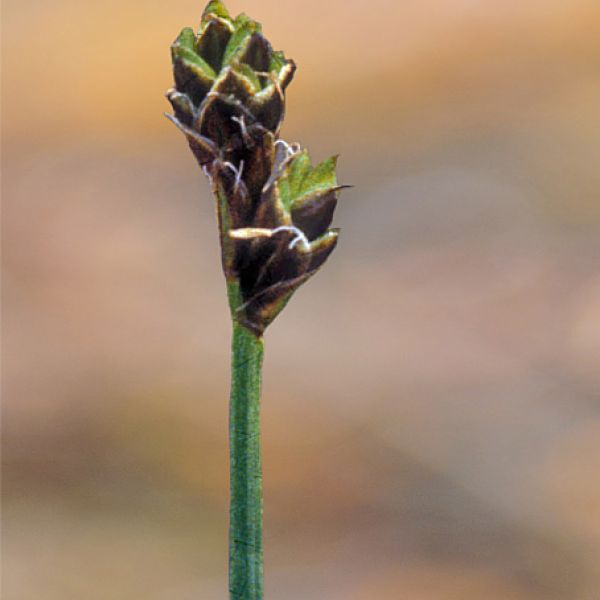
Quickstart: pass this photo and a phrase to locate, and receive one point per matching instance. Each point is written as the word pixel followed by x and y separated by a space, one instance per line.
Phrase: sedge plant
pixel 274 213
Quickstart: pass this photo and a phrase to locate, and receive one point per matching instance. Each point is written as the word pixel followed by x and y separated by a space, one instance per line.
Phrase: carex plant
pixel 274 211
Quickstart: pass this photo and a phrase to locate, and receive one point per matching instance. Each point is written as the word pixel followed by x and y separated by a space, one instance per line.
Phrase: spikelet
pixel 274 208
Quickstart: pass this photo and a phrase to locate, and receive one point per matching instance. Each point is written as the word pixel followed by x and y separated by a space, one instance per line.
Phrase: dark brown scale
pixel 212 43
pixel 187 83
pixel 314 215
pixel 257 54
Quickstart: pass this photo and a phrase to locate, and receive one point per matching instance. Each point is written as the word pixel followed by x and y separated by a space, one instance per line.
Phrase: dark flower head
pixel 274 207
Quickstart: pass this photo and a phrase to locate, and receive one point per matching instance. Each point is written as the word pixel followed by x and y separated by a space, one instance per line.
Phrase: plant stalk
pixel 246 504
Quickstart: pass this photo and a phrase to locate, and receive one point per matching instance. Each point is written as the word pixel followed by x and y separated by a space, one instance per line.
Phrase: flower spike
pixel 274 207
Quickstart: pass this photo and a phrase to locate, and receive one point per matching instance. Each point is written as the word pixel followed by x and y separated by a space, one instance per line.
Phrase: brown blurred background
pixel 431 399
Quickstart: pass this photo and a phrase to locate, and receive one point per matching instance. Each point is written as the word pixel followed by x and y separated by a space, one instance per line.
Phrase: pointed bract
pixel 215 8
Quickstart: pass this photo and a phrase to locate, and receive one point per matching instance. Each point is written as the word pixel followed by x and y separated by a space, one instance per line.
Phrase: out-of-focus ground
pixel 431 399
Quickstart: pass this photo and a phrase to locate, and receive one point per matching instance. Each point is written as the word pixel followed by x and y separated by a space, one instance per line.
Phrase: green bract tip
pixel 215 8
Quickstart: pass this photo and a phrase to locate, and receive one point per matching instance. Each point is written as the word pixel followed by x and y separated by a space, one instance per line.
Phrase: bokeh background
pixel 431 404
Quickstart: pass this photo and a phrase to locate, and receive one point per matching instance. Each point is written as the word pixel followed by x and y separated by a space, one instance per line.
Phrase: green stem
pixel 246 510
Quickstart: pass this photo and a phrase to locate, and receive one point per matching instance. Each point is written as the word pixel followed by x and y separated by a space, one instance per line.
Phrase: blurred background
pixel 431 408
